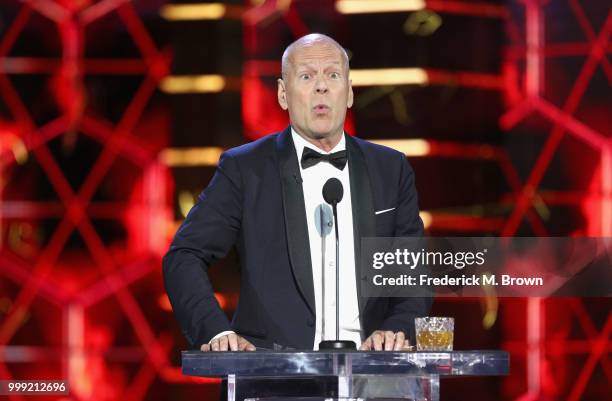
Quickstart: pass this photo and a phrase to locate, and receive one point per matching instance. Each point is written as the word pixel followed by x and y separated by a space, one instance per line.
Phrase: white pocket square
pixel 383 211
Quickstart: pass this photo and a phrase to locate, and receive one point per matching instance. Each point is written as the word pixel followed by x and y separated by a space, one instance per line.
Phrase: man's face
pixel 316 90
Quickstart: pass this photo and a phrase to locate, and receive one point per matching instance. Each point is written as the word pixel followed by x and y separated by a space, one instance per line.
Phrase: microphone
pixel 332 193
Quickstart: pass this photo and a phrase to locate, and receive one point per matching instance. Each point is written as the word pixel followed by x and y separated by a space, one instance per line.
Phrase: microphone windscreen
pixel 324 219
pixel 333 191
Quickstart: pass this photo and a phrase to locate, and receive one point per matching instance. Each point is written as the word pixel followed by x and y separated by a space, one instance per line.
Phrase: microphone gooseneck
pixel 333 191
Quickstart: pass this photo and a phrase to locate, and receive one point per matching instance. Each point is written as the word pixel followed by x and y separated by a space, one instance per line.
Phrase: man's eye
pixel 305 76
pixel 334 75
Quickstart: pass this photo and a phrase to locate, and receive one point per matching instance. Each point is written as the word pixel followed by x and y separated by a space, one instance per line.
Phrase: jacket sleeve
pixel 207 234
pixel 402 311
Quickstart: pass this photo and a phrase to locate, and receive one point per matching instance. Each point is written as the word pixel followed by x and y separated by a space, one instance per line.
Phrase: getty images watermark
pixel 474 266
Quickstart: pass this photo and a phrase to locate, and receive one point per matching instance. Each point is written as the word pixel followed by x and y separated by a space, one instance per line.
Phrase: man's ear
pixel 349 102
pixel 282 94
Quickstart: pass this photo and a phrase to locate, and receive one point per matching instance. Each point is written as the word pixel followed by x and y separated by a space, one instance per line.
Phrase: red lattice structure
pixel 45 276
pixel 531 98
pixel 548 343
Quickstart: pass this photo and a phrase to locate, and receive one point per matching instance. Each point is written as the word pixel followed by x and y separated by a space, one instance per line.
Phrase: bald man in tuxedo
pixel 265 199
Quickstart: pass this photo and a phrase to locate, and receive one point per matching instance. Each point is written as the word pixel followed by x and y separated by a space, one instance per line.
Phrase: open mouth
pixel 321 108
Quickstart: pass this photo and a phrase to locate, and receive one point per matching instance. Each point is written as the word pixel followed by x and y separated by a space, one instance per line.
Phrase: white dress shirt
pixel 323 247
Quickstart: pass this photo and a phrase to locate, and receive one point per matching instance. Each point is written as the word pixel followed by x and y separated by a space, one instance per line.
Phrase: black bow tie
pixel 311 157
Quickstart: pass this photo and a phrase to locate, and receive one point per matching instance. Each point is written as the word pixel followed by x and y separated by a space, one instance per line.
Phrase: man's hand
pixel 229 342
pixel 387 341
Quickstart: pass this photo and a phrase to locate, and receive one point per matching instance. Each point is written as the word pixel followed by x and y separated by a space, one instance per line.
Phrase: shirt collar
pixel 300 143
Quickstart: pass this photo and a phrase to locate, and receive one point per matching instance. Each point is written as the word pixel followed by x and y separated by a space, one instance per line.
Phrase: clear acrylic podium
pixel 359 374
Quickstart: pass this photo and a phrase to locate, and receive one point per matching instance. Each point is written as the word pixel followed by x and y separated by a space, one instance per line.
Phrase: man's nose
pixel 321 86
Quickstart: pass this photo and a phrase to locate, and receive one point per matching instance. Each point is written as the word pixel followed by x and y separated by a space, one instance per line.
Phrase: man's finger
pixel 223 343
pixel 205 347
pixel 233 341
pixel 367 344
pixel 377 340
pixel 407 346
pixel 389 340
pixel 399 341
pixel 214 344
pixel 244 344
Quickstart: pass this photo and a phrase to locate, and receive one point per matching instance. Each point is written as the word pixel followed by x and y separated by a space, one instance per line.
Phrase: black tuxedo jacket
pixel 255 202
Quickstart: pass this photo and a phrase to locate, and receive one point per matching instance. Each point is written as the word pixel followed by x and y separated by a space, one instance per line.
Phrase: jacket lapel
pixel 295 216
pixel 364 224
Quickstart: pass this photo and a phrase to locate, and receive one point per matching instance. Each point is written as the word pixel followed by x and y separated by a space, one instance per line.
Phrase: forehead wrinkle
pixel 315 65
pixel 315 54
pixel 315 46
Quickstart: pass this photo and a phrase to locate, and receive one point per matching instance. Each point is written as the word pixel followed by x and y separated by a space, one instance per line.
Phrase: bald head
pixel 313 39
